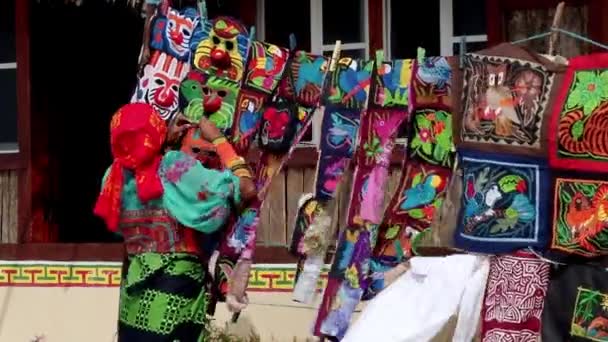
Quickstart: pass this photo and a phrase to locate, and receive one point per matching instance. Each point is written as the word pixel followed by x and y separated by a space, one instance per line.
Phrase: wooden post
pixel 556 22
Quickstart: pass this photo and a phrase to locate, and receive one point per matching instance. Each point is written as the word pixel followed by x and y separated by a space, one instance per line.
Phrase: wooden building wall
pixel 8 206
pixel 279 210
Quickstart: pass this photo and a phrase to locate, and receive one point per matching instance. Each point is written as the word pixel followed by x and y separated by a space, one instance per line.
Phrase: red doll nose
pixel 212 104
pixel 220 58
pixel 177 37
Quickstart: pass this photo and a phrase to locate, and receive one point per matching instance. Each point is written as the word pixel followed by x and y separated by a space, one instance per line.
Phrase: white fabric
pixel 420 302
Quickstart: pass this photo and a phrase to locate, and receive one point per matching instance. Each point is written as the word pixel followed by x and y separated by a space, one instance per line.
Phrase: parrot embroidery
pixel 354 83
pixel 310 73
pixel 249 119
pixel 422 193
pixel 267 65
pixel 435 70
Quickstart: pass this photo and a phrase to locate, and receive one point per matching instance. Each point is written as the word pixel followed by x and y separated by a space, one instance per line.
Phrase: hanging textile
pixel 348 275
pixel 172 29
pixel 579 218
pixel 168 64
pixel 575 307
pixel 505 106
pixel 503 205
pixel 339 130
pixel 158 86
pixel 346 99
pixel 578 124
pixel 284 122
pixel 426 168
pixel 220 49
pixel 265 69
pixel 514 298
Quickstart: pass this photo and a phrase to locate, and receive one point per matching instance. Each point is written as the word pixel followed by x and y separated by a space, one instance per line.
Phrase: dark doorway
pixel 84 63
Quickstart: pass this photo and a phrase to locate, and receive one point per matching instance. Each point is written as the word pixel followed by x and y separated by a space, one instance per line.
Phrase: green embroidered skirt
pixel 163 298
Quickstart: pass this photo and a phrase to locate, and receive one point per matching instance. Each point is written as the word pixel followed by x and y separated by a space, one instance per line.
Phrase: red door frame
pixel 22 29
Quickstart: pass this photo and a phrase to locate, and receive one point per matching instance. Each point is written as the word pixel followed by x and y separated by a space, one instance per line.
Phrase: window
pixel 462 20
pixel 405 32
pixel 8 79
pixel 317 24
pixel 440 30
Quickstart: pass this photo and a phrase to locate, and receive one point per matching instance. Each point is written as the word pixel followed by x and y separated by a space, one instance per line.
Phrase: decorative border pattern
pixel 263 277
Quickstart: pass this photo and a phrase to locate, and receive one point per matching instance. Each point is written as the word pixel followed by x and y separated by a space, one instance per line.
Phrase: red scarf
pixel 137 134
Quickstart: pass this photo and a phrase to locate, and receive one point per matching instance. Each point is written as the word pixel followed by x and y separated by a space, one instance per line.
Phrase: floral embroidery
pixel 579 120
pixel 590 89
pixel 432 140
pixel 277 122
pixel 373 148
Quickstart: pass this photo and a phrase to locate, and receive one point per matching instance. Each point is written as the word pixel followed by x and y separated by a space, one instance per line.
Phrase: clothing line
pixel 566 32
pixel 549 261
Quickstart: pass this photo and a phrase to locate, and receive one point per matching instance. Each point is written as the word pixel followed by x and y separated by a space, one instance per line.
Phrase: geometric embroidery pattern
pixel 263 278
pixel 514 299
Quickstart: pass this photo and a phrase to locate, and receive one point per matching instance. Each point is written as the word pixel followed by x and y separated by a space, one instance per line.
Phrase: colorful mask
pixel 159 84
pixel 211 96
pixel 172 31
pixel 220 48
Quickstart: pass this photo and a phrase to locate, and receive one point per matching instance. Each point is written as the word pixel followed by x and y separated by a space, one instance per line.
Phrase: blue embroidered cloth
pixel 504 203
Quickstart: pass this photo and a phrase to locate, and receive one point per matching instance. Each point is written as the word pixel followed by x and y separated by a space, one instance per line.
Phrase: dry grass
pixel 218 334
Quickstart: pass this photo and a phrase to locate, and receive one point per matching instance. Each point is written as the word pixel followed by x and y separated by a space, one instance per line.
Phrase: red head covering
pixel 137 134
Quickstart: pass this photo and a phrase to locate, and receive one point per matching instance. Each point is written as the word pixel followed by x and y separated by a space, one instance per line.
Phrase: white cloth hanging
pixel 418 305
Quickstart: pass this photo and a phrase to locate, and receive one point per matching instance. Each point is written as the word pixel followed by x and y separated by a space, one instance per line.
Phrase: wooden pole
pixel 556 22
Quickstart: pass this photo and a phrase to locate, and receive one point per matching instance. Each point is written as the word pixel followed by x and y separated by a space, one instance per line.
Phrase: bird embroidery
pixel 422 193
pixel 310 73
pixel 483 206
pixel 587 217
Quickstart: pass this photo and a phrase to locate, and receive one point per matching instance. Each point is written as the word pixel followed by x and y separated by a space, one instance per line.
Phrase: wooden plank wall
pixel 279 210
pixel 9 212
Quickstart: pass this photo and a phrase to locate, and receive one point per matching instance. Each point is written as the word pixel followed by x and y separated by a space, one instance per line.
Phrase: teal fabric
pixel 199 198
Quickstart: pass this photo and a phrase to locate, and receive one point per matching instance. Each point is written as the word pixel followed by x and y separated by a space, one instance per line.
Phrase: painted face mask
pixel 172 31
pixel 210 96
pixel 220 48
pixel 159 84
